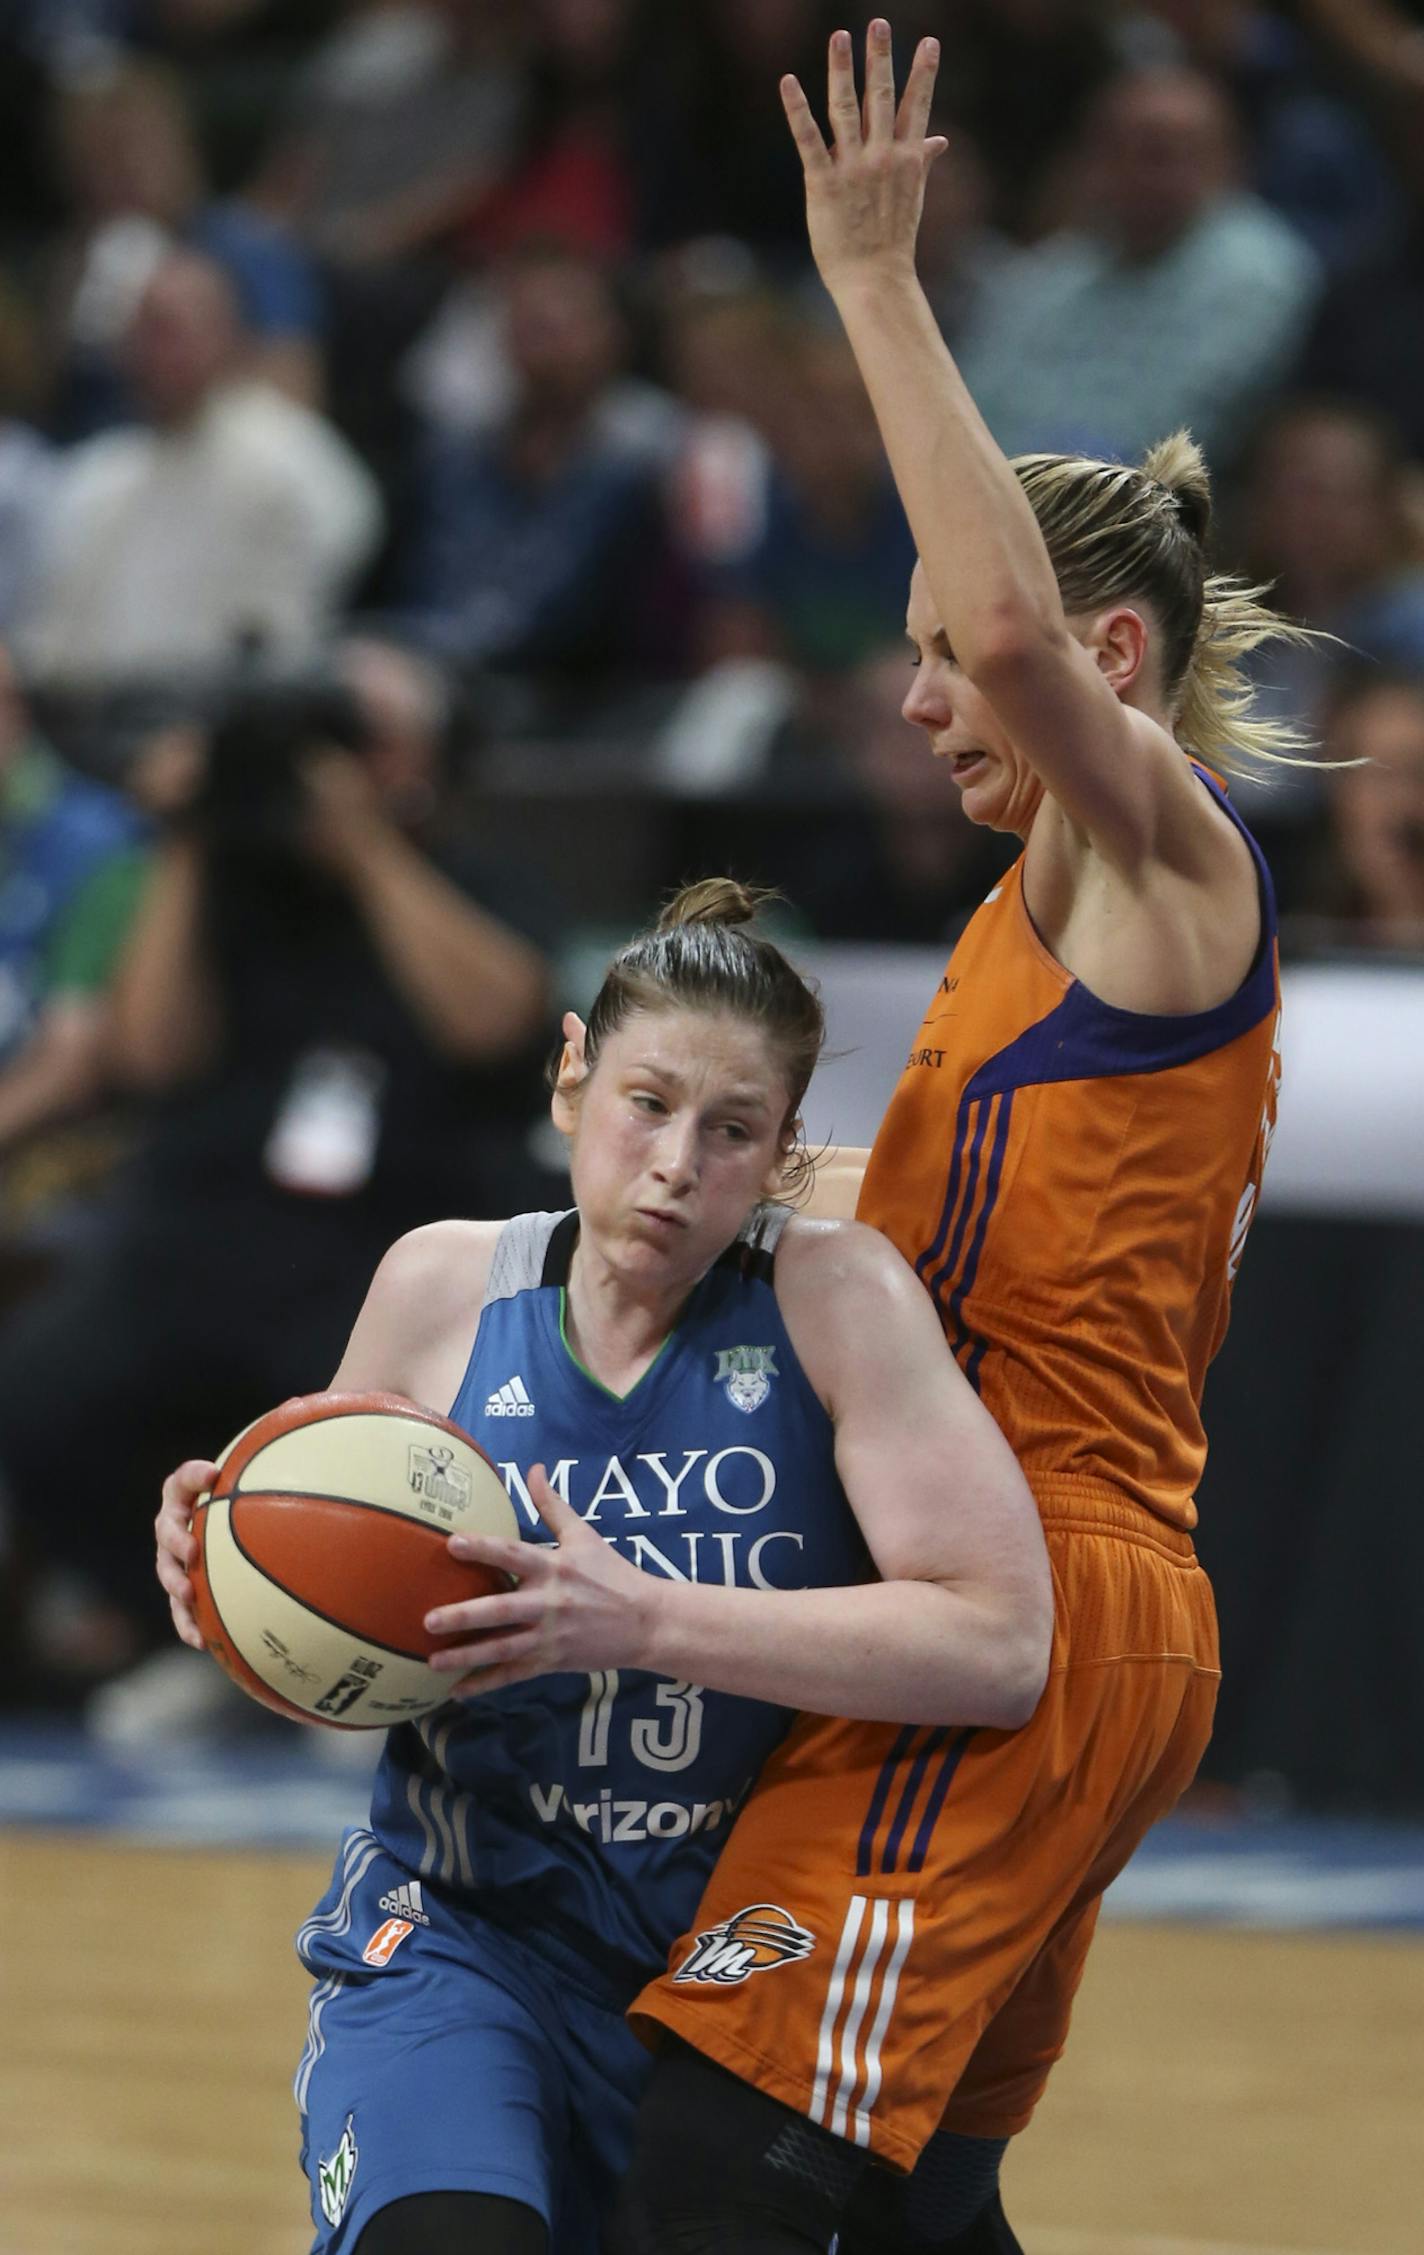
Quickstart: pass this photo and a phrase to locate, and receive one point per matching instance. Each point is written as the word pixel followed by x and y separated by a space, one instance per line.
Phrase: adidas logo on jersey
pixel 407 1901
pixel 510 1400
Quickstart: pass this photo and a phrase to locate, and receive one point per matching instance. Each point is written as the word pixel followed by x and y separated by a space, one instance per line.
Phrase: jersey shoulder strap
pixel 753 1249
pixel 522 1254
pixel 534 1249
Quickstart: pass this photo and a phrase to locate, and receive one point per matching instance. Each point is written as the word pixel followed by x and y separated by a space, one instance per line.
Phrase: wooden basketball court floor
pixel 1225 2093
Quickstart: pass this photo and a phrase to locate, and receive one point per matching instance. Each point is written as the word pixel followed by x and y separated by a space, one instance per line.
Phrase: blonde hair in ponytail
pixel 1115 532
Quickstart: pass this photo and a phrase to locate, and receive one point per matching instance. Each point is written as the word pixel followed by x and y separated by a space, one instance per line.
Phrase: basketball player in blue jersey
pixel 726 1432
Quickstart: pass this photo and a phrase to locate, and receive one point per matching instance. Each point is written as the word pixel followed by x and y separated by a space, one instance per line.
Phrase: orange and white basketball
pixel 322 1545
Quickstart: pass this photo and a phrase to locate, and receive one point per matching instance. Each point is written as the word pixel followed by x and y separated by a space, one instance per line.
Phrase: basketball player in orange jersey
pixel 1070 1162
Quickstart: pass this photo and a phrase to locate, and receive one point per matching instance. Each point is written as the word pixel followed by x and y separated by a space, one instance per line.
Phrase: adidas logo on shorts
pixel 510 1400
pixel 406 1901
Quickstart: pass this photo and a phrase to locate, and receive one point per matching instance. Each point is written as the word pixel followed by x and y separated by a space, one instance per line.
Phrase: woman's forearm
pixel 977 538
pixel 892 1652
pixel 166 1010
pixel 479 988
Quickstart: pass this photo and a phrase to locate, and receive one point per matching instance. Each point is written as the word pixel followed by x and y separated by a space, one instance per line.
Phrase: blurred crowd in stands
pixel 414 410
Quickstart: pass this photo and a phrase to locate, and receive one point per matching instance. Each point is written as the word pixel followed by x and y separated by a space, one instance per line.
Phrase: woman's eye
pixel 648 1103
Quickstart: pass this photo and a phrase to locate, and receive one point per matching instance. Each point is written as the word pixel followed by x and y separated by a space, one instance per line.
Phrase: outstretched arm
pixel 983 554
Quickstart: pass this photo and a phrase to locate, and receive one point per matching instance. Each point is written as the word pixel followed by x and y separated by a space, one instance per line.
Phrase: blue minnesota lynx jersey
pixel 583 1812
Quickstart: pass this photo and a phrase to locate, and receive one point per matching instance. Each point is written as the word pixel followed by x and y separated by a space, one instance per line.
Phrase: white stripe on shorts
pixel 845 1951
pixel 321 1997
pixel 359 1851
pixel 876 1980
pixel 904 1932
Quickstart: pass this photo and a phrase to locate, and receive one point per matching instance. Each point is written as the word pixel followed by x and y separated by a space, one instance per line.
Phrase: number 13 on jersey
pixel 670 1742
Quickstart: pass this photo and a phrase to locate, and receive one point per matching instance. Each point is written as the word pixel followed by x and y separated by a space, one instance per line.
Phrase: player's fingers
pixel 842 106
pixel 504 1660
pixel 174 1539
pixel 804 130
pixel 522 1561
pixel 182 1487
pixel 559 1517
pixel 476 1615
pixel 170 1573
pixel 176 1543
pixel 914 112
pixel 187 1628
pixel 878 114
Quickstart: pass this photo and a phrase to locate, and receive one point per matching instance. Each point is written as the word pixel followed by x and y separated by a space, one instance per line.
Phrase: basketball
pixel 321 1547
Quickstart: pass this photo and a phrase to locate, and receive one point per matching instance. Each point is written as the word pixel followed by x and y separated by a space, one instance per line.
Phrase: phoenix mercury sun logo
pixel 750 1941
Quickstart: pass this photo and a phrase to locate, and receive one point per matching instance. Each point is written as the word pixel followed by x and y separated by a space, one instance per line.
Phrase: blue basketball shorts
pixel 442 2056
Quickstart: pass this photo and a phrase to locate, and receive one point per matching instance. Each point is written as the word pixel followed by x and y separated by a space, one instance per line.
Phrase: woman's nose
pixel 676 1161
pixel 926 705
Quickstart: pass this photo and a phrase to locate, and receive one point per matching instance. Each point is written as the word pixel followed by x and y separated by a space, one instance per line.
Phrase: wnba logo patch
pixel 750 1941
pixel 386 1941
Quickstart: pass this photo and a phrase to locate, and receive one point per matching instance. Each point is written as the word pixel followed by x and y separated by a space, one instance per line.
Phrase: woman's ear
pixel 573 1070
pixel 1118 642
pixel 785 1174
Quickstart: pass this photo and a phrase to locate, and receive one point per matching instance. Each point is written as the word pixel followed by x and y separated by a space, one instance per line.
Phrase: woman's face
pixel 675 1133
pixel 1378 808
pixel 997 788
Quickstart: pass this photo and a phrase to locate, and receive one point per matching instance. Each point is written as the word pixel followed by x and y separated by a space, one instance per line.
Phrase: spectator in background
pixel 1022 74
pixel 1328 518
pixel 1331 517
pixel 133 177
pixel 341 1023
pixel 1372 891
pixel 406 114
pixel 542 539
pixel 960 251
pixel 1367 340
pixel 27 462
pixel 572 175
pixel 72 858
pixel 1306 152
pixel 713 155
pixel 1178 304
pixel 824 581
pixel 1380 37
pixel 723 337
pixel 901 863
pixel 234 513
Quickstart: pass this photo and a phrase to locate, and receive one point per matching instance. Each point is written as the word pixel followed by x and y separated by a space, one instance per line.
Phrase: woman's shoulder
pixel 831 1270
pixel 438 1271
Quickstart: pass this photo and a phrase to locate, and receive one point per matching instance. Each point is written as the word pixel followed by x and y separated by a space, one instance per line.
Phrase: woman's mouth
pixel 664 1223
pixel 964 764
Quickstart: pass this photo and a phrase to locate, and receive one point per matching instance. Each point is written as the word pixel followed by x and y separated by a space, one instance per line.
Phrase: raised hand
pixel 864 193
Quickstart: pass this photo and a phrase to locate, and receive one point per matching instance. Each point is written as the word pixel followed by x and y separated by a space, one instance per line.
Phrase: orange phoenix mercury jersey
pixel 1073 1184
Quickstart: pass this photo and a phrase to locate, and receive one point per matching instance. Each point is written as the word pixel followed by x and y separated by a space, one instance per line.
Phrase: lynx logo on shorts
pixel 436 1476
pixel 386 1941
pixel 333 2177
pixel 750 1941
pixel 746 1372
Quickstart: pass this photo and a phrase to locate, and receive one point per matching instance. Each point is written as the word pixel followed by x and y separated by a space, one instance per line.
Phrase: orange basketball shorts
pixel 894 1933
